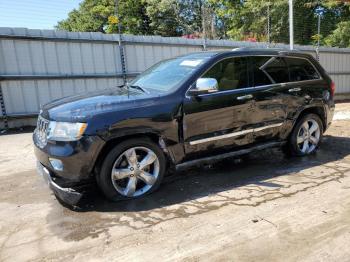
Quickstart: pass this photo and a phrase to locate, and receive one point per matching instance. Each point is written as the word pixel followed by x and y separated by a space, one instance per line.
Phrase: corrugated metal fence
pixel 38 66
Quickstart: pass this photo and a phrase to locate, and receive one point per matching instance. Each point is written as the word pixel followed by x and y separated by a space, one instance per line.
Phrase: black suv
pixel 189 110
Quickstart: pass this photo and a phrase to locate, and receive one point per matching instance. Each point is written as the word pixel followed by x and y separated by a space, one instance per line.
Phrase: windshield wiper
pixel 139 88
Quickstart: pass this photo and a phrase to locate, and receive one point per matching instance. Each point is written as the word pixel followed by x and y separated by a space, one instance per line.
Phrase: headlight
pixel 65 131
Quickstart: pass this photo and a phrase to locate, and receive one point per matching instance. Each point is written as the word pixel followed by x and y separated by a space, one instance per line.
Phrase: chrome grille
pixel 41 131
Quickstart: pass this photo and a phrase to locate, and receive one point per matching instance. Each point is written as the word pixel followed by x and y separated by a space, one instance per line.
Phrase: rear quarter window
pixel 301 69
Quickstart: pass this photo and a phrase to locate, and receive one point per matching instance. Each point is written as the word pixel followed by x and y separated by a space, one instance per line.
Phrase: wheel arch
pixel 111 143
pixel 317 110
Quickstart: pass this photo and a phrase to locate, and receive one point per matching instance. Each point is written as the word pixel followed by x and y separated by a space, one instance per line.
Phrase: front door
pixel 222 119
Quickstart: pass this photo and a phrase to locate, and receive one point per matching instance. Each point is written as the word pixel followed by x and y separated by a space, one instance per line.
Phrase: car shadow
pixel 262 175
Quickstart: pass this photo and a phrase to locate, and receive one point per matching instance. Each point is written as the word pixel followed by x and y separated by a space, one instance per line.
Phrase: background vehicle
pixel 185 111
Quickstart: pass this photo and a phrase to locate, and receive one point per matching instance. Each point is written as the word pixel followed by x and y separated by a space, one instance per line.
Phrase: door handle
pixel 297 89
pixel 246 97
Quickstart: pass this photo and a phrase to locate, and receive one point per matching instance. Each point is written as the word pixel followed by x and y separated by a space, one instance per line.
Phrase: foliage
pixel 92 15
pixel 340 36
pixel 225 19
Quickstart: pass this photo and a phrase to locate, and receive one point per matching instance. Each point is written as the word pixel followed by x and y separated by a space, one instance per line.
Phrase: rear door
pixel 221 119
pixel 305 82
pixel 270 77
pixel 285 85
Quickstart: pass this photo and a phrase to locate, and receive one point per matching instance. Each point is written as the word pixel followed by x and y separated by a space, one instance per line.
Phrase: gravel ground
pixel 265 208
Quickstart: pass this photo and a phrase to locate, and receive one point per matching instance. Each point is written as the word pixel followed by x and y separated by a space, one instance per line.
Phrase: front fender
pixel 164 133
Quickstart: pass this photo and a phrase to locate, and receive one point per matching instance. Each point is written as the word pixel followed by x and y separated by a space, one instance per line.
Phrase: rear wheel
pixel 306 135
pixel 132 169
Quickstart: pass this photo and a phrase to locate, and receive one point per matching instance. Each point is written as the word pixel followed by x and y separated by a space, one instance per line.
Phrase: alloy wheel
pixel 308 136
pixel 135 171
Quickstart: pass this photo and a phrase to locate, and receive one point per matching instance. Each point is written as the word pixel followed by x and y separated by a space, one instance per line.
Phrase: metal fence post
pixel 268 25
pixel 122 58
pixel 120 43
pixel 204 31
pixel 318 37
pixel 291 25
pixel 3 109
pixel 204 44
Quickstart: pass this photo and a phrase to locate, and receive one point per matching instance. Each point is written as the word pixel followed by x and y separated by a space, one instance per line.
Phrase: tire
pixel 306 136
pixel 128 162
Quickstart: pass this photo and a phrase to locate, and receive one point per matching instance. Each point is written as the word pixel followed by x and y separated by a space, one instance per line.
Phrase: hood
pixel 80 108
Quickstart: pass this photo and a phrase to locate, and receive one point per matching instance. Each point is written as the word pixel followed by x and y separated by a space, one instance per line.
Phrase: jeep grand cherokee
pixel 189 110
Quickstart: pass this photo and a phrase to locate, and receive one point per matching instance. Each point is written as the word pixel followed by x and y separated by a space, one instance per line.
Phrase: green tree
pixel 146 17
pixel 234 19
pixel 92 15
pixel 339 16
pixel 249 18
pixel 134 18
pixel 340 36
pixel 163 17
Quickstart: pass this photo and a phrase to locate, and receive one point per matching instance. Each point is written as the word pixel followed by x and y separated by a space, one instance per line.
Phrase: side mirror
pixel 204 86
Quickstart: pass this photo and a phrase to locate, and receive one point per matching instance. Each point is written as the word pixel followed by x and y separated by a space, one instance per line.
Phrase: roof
pixel 245 51
pixel 262 51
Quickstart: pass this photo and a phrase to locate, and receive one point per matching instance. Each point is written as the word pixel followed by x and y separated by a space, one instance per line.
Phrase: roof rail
pixel 285 52
pixel 240 48
pixel 260 48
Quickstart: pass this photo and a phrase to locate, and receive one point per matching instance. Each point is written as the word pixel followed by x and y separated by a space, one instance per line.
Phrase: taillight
pixel 332 88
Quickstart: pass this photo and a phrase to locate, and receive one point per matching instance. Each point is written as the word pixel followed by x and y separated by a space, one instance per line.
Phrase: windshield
pixel 169 74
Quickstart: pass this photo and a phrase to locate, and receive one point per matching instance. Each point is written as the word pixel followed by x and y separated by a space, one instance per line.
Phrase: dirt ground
pixel 266 208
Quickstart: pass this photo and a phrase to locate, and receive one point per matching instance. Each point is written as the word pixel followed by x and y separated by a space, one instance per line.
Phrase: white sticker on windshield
pixel 191 63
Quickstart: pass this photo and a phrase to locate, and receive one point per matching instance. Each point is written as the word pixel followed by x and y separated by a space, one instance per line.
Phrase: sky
pixel 35 14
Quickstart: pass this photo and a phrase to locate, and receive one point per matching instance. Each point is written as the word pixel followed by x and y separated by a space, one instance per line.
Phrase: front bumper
pixel 67 195
pixel 78 157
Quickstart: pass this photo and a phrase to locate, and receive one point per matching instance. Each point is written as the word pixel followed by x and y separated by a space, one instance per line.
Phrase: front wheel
pixel 306 135
pixel 132 169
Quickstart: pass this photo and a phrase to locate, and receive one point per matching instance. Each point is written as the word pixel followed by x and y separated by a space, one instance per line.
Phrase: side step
pixel 216 158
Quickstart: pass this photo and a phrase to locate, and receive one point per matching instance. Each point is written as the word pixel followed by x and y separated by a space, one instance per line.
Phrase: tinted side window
pixel 277 69
pixel 269 70
pixel 261 78
pixel 231 73
pixel 301 69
